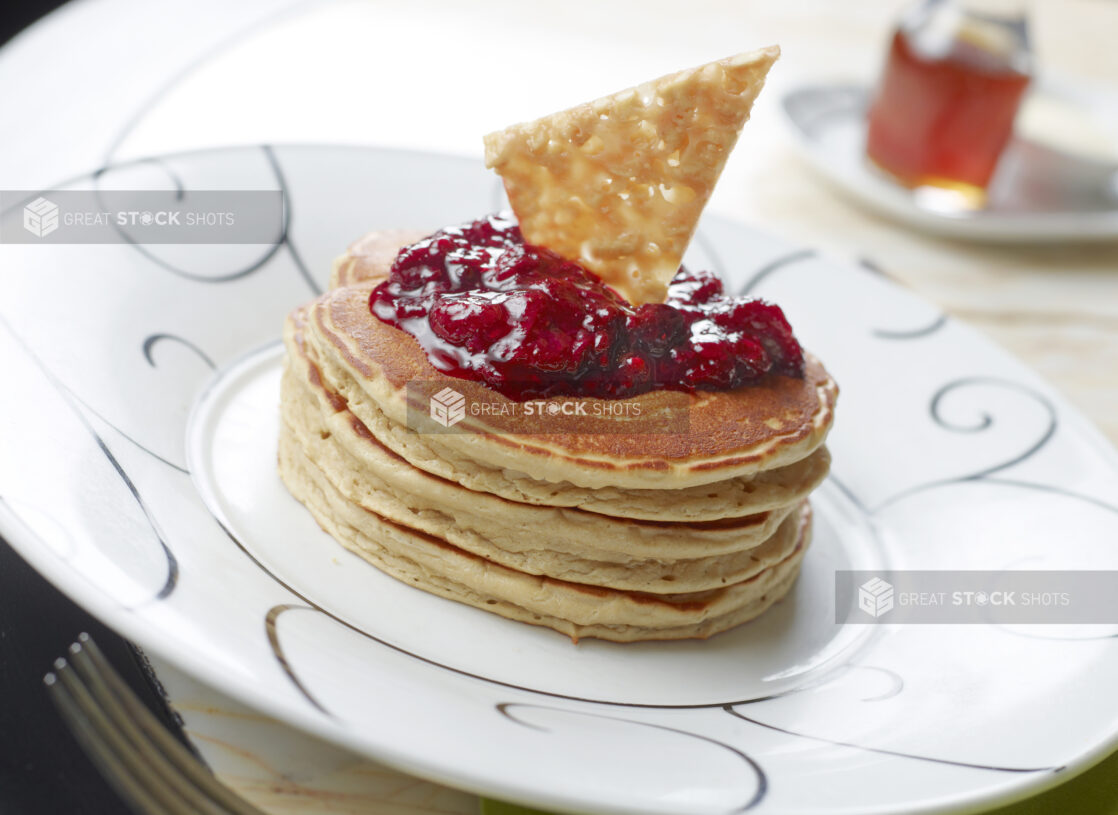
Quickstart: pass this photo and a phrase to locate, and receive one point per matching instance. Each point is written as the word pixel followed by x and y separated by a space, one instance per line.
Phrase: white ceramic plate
pixel 137 473
pixel 1057 179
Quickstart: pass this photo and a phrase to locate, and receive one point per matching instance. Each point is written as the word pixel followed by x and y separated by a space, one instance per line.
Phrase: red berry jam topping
pixel 486 306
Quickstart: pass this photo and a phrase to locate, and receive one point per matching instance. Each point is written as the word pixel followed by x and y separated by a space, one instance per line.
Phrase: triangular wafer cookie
pixel 618 184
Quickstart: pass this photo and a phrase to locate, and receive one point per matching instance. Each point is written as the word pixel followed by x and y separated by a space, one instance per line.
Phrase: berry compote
pixel 486 306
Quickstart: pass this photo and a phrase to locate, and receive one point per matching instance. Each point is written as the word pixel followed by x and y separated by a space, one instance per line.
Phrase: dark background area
pixel 43 771
pixel 17 16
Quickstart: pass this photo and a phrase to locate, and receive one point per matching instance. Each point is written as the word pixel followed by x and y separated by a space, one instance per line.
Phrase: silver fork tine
pixel 107 742
pixel 144 762
pixel 174 786
pixel 95 667
pixel 111 767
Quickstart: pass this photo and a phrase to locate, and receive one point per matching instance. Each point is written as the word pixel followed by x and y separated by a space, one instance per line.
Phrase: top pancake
pixel 724 434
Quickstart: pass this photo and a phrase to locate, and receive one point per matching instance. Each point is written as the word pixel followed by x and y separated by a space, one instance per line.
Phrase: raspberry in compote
pixel 486 306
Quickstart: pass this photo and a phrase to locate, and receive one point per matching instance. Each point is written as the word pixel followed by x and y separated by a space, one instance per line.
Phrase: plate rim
pixel 142 630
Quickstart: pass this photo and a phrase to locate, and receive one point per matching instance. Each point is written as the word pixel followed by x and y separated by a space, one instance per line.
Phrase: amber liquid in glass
pixel 944 120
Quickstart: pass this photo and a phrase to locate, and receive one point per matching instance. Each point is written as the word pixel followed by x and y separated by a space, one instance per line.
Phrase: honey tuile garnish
pixel 618 184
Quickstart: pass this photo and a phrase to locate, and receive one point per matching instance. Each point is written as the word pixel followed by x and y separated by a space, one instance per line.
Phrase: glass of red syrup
pixel 953 81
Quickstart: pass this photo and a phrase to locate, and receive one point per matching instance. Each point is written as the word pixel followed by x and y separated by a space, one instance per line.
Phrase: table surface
pixel 140 79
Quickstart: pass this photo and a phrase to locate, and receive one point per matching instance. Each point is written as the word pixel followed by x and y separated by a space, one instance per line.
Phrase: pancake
pixel 370 257
pixel 617 530
pixel 567 544
pixel 574 609
pixel 732 498
pixel 728 433
pixel 310 403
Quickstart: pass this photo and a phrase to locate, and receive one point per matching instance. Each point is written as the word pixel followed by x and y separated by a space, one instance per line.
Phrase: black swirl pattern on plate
pixel 307 604
pixel 881 751
pixel 275 612
pixel 918 333
pixel 271 630
pixel 179 189
pixel 896 684
pixel 983 422
pixel 760 779
pixel 151 341
pixel 790 259
pixel 75 405
pixel 288 208
pixel 311 605
pixel 283 239
pixel 156 161
pixel 774 266
pixel 912 333
pixel 147 349
pixel 1053 489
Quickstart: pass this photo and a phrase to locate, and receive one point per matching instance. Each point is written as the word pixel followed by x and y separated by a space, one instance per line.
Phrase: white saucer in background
pixel 1057 180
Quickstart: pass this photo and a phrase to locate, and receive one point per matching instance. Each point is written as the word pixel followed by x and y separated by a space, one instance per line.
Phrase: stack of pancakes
pixel 621 536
